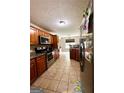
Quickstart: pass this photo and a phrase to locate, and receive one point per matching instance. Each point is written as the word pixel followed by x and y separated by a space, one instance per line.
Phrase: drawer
pixel 41 62
pixel 40 58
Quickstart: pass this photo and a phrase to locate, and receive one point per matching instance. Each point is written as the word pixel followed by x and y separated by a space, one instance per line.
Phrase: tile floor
pixel 60 76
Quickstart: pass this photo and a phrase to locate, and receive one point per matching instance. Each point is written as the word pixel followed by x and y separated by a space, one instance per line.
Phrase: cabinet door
pixel 41 65
pixel 36 37
pixel 33 73
pixel 51 39
pixel 55 41
pixel 77 55
pixel 71 54
pixel 33 36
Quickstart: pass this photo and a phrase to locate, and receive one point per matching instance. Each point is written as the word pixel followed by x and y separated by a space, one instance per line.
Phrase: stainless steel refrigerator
pixel 86 66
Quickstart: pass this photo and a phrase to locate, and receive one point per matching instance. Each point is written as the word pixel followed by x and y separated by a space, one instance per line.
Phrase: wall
pixel 62 43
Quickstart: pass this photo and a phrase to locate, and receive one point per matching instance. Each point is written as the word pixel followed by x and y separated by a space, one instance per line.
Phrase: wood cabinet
pixel 55 41
pixel 51 39
pixel 77 54
pixel 41 64
pixel 74 54
pixel 37 66
pixel 35 33
pixel 33 72
pixel 33 36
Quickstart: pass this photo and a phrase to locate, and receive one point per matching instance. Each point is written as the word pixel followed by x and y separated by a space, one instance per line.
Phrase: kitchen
pixel 61 46
pixel 82 61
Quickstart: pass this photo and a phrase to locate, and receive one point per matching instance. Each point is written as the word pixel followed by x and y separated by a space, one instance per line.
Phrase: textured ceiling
pixel 47 13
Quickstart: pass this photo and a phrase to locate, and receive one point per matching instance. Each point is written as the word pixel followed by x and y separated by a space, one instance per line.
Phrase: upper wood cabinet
pixel 35 33
pixel 55 41
pixel 51 39
pixel 33 36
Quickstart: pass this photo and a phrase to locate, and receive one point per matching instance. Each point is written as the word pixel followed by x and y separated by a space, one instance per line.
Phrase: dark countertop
pixel 74 48
pixel 36 55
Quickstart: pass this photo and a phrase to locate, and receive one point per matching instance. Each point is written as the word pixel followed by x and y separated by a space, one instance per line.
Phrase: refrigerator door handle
pixel 81 64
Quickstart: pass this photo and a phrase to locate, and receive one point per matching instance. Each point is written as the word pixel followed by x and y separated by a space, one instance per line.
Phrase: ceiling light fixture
pixel 62 22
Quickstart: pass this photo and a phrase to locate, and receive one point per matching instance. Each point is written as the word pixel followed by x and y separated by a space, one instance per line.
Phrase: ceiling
pixel 48 13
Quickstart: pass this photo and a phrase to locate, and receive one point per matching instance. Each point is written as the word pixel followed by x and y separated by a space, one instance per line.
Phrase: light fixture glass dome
pixel 62 22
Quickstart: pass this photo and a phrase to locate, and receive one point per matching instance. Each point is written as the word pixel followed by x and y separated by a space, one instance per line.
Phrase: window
pixel 69 42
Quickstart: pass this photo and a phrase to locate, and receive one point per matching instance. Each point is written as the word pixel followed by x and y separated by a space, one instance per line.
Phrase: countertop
pixel 36 55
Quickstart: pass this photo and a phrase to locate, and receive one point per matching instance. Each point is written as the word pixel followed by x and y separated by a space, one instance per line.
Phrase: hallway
pixel 60 77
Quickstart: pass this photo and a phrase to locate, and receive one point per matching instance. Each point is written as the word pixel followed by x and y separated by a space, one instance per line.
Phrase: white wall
pixel 62 43
pixel 62 39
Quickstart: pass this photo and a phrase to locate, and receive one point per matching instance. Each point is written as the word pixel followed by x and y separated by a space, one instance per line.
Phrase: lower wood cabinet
pixel 41 65
pixel 74 54
pixel 37 67
pixel 77 54
pixel 33 72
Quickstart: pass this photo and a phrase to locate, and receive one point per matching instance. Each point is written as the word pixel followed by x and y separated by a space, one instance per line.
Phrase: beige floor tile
pixel 63 87
pixel 52 69
pixel 45 74
pixel 44 83
pixel 66 72
pixel 72 79
pixel 36 83
pixel 49 75
pixel 58 76
pixel 78 73
pixel 60 71
pixel 78 78
pixel 65 77
pixel 77 69
pixel 53 85
pixel 72 73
